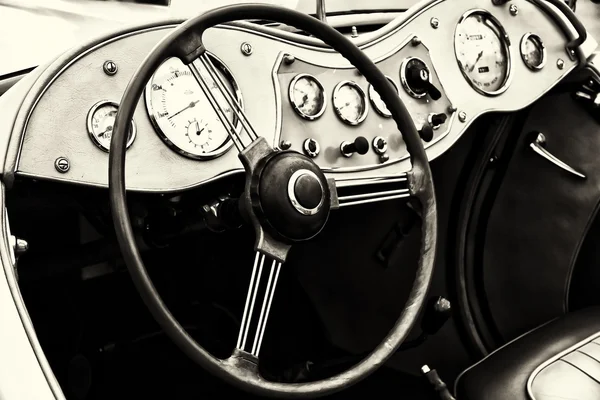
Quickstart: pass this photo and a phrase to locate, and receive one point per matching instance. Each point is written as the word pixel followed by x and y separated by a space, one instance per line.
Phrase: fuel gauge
pixel 533 51
pixel 100 124
pixel 350 102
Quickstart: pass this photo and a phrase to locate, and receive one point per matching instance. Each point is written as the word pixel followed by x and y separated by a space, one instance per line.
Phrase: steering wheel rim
pixel 185 42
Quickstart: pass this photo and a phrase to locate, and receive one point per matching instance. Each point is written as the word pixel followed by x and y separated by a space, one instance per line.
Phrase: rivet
pixel 560 63
pixel 451 109
pixel 285 144
pixel 415 41
pixel 110 67
pixel 246 48
pixel 462 116
pixel 62 165
pixel 435 23
pixel 513 10
pixel 384 157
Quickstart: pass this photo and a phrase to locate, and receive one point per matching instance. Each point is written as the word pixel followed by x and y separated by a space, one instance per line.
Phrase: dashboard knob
pixel 311 147
pixel 426 133
pixel 418 79
pixel 380 145
pixel 360 146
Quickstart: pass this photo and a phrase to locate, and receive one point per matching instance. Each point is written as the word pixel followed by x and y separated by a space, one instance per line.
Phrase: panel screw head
pixel 289 59
pixel 415 41
pixel 110 67
pixel 513 10
pixel 246 48
pixel 384 157
pixel 435 23
pixel 285 144
pixel 62 165
pixel 462 116
pixel 560 63
pixel 451 109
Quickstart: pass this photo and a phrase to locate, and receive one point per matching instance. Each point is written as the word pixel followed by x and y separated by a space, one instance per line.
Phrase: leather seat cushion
pixel 504 373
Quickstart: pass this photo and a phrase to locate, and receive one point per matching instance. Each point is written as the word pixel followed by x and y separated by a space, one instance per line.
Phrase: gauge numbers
pixel 182 114
pixel 350 102
pixel 533 51
pixel 307 96
pixel 100 124
pixel 481 48
pixel 378 104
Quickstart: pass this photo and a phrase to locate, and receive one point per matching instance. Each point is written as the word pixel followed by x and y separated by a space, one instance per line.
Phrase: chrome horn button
pixel 290 197
pixel 305 191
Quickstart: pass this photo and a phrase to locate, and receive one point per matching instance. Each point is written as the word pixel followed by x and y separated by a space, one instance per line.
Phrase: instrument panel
pixel 448 64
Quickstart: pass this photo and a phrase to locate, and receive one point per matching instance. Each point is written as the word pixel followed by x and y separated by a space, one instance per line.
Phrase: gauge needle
pixel 106 131
pixel 198 130
pixel 192 104
pixel 475 63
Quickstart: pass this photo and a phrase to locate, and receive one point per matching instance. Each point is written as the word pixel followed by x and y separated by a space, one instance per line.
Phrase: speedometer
pixel 183 115
pixel 481 47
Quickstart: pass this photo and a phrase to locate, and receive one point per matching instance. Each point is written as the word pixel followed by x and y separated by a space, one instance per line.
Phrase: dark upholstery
pixel 504 373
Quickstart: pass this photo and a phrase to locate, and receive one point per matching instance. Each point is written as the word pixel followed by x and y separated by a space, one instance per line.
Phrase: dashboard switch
pixel 311 147
pixel 360 146
pixel 416 79
pixel 380 145
pixel 435 120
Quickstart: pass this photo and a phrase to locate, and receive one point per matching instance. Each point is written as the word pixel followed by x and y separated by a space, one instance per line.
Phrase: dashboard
pixel 449 61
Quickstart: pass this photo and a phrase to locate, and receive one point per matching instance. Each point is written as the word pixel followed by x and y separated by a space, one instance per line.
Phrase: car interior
pixel 316 199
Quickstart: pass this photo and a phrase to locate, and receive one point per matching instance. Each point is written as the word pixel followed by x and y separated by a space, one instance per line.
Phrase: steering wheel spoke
pixel 263 280
pixel 205 73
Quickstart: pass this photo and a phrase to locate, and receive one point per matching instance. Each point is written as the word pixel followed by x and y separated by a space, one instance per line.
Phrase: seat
pixel 558 360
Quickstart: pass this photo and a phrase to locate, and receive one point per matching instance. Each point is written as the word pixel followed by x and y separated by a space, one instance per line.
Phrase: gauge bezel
pixel 404 81
pixel 238 125
pixel 542 48
pixel 293 102
pixel 504 40
pixel 90 127
pixel 371 91
pixel 362 95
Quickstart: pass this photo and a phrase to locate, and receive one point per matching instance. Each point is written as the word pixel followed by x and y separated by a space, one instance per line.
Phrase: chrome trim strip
pixel 554 359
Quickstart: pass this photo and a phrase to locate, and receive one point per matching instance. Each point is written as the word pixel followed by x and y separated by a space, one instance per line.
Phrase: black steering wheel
pixel 286 198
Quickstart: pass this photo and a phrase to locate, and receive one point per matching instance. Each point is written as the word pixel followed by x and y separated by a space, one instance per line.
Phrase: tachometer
pixel 481 47
pixel 350 102
pixel 182 114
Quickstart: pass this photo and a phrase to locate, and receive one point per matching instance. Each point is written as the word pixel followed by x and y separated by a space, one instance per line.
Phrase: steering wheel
pixel 286 198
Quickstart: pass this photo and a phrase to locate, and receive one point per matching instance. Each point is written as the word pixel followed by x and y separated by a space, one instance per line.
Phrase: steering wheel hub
pixel 292 196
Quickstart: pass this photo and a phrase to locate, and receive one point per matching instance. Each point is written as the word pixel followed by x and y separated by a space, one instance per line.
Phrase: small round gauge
pixel 307 96
pixel 350 102
pixel 378 104
pixel 183 115
pixel 481 48
pixel 101 121
pixel 533 51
